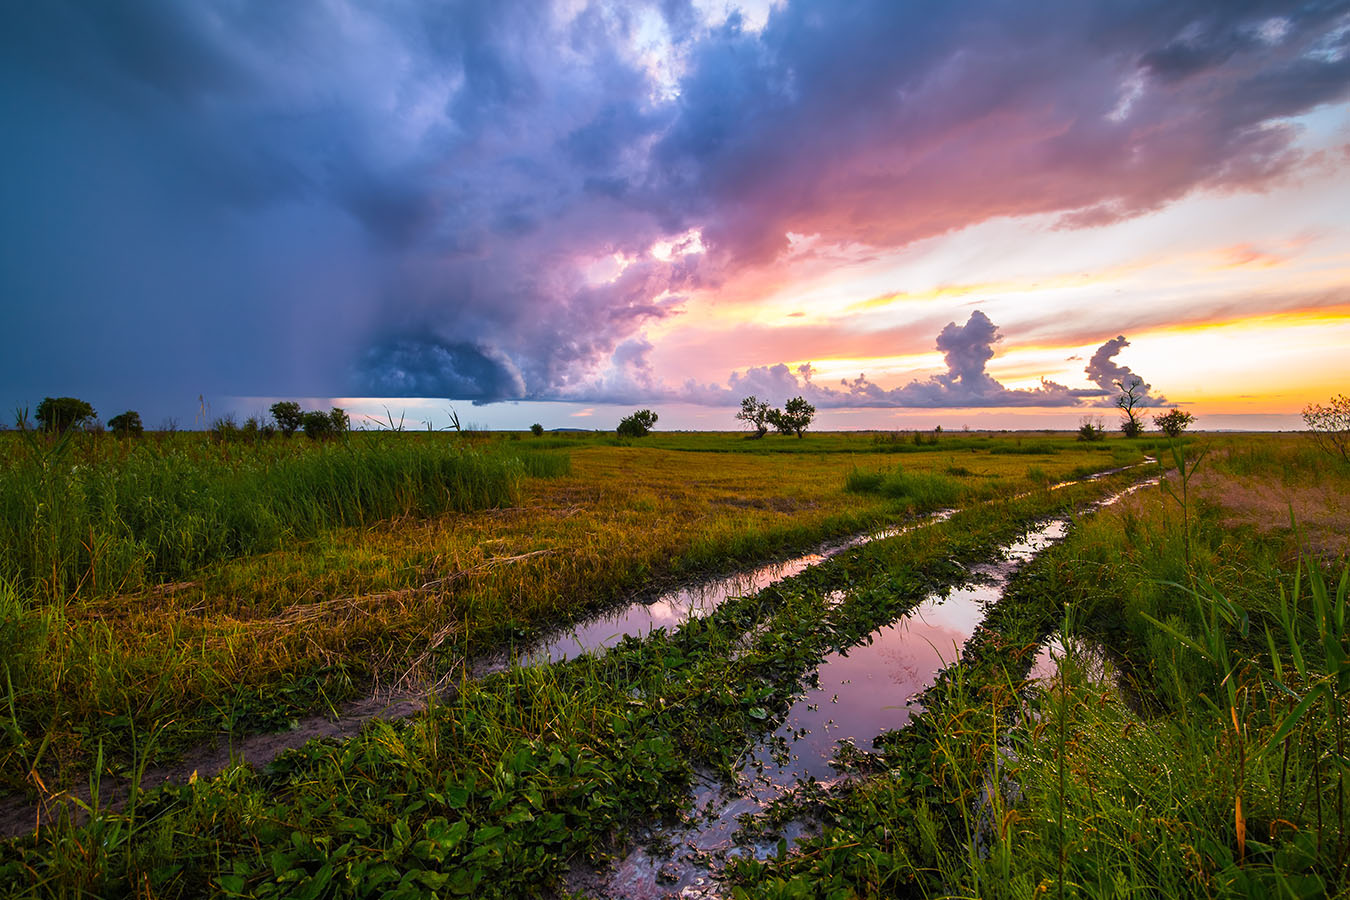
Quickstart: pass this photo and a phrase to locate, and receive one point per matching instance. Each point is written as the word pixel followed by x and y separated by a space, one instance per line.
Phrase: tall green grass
pixel 80 518
pixel 924 490
pixel 545 464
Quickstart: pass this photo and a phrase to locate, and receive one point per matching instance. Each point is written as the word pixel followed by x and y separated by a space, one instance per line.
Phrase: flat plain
pixel 163 598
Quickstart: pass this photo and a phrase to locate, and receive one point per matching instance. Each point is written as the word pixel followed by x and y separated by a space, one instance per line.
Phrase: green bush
pixel 639 424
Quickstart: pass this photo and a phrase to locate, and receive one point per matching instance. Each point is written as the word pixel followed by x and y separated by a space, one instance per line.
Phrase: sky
pixel 978 214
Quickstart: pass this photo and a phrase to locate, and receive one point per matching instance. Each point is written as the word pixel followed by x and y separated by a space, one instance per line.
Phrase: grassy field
pixel 390 559
pixel 1209 762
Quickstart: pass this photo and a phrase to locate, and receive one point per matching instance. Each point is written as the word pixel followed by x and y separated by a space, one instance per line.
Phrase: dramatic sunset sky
pixel 911 213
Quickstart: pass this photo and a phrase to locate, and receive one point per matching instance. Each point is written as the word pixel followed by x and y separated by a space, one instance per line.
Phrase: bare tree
pixel 1132 392
pixel 1329 425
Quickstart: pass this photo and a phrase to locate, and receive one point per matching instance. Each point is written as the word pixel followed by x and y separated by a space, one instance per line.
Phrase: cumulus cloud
pixel 1111 377
pixel 966 349
pixel 344 198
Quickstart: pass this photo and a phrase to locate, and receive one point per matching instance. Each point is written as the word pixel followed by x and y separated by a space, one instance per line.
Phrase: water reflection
pixel 692 601
pixel 857 694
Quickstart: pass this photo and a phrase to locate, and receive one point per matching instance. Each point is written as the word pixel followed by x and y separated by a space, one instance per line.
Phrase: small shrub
pixel 226 428
pixel 1090 429
pixel 537 430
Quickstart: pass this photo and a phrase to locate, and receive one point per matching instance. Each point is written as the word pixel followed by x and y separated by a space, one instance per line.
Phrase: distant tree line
pixel 58 415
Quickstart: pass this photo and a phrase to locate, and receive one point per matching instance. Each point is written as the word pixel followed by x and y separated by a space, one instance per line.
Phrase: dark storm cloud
pixel 421 199
pixel 418 367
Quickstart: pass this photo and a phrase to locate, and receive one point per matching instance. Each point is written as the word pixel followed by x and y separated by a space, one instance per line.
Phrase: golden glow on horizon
pixel 1282 361
pixel 1286 359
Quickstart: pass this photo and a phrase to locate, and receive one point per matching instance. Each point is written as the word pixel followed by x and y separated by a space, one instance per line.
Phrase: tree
pixel 1329 426
pixel 317 425
pixel 1090 429
pixel 537 430
pixel 775 418
pixel 128 423
pixel 288 416
pixel 755 413
pixel 639 424
pixel 341 422
pixel 1173 422
pixel 63 413
pixel 796 416
pixel 1132 393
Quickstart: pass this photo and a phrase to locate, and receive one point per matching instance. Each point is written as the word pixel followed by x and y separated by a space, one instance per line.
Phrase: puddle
pixel 693 601
pixel 867 689
pixel 1097 476
pixel 855 695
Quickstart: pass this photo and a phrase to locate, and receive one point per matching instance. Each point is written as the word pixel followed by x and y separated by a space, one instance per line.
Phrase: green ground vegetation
pixel 498 789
